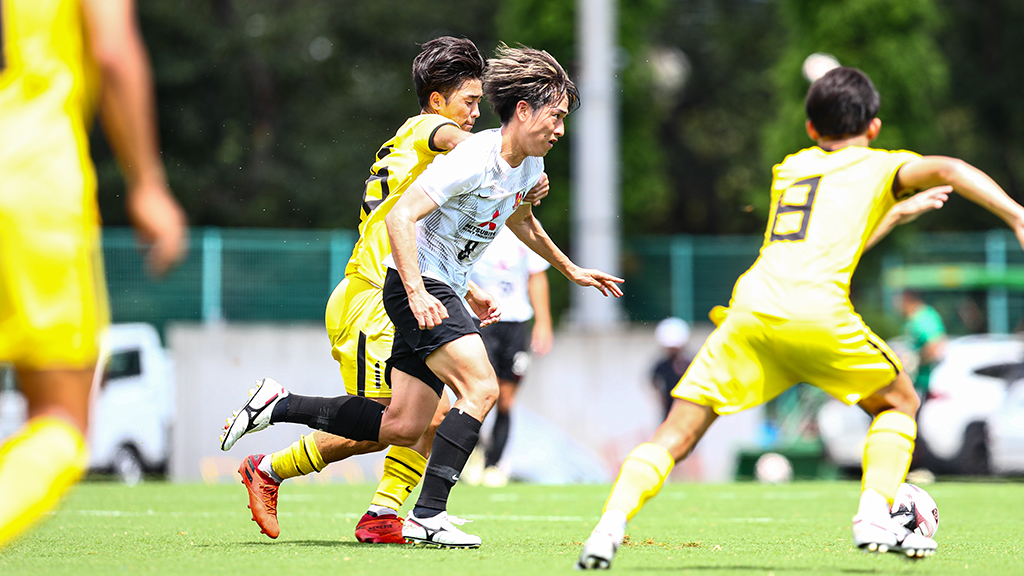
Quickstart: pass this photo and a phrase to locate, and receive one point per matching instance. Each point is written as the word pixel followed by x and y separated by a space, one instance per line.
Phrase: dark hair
pixel 842 102
pixel 529 75
pixel 443 65
pixel 913 295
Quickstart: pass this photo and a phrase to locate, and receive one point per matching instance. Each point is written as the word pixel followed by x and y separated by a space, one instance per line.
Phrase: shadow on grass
pixel 295 543
pixel 755 569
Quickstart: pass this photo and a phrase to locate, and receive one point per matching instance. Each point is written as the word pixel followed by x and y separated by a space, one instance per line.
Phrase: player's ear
pixel 523 110
pixel 436 101
pixel 874 128
pixel 811 131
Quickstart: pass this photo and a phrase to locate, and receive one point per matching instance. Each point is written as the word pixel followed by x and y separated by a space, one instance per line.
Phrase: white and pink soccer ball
pixel 916 509
pixel 773 468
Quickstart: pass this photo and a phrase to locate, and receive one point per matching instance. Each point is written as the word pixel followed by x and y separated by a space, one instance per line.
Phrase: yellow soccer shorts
pixel 361 336
pixel 751 358
pixel 53 294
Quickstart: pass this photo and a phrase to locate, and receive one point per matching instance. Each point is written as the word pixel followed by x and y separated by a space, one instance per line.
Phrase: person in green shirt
pixel 927 336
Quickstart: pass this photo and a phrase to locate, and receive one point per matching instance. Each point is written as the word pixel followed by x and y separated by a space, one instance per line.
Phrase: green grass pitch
pixel 744 528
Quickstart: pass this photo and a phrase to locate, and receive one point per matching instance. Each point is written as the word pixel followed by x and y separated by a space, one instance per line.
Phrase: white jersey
pixel 504 272
pixel 476 191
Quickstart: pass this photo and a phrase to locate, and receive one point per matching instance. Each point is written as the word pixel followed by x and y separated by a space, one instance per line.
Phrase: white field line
pixel 356 516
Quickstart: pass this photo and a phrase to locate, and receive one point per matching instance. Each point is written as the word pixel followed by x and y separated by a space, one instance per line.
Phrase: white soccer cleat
pixel 439 531
pixel 254 415
pixel 603 543
pixel 883 536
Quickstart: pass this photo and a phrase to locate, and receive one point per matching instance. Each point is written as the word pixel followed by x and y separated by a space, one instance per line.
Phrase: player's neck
pixel 832 145
pixel 510 152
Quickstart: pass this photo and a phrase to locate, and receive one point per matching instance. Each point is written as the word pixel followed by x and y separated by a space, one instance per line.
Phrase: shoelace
pixel 267 493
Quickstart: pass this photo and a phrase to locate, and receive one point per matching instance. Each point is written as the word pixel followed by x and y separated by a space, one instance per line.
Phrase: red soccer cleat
pixel 383 529
pixel 263 495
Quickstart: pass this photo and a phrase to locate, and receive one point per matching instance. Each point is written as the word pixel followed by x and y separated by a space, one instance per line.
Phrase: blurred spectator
pixel 673 335
pixel 926 334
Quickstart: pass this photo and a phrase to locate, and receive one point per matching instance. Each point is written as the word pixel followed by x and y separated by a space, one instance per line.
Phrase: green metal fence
pixel 246 275
pixel 238 275
pixel 973 279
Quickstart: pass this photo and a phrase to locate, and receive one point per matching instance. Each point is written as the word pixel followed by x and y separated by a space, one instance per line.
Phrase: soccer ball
pixel 773 468
pixel 916 510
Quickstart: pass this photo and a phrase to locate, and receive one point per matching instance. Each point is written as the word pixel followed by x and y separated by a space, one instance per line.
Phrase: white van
pixel 133 404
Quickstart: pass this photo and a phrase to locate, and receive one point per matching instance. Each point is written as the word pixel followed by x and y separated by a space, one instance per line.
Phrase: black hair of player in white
pixel 523 74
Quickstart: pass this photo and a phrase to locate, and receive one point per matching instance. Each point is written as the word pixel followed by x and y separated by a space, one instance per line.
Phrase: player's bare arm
pixel 484 305
pixel 129 120
pixel 449 136
pixel 909 210
pixel 523 223
pixel 542 337
pixel 966 180
pixel 401 223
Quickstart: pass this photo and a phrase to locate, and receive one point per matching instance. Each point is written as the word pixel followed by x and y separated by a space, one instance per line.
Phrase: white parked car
pixel 133 404
pixel 966 421
pixel 1005 435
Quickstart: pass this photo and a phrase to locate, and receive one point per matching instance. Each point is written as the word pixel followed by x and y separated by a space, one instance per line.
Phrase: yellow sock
pixel 403 468
pixel 299 459
pixel 887 452
pixel 640 478
pixel 37 466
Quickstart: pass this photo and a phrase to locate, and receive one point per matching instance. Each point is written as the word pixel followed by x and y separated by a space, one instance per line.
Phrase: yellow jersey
pixel 399 162
pixel 824 207
pixel 48 90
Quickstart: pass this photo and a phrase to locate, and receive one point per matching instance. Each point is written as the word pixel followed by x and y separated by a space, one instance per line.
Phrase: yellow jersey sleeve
pixel 824 207
pixel 399 162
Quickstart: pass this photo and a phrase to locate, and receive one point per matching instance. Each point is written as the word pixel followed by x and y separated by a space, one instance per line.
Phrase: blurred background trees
pixel 270 111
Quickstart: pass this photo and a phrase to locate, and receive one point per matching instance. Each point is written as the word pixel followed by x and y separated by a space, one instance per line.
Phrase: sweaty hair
pixel 842 102
pixel 529 75
pixel 443 65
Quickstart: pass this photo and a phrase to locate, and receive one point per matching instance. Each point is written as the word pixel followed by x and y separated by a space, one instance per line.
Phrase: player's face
pixel 463 107
pixel 544 127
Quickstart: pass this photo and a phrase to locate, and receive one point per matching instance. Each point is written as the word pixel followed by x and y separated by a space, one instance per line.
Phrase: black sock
pixel 499 437
pixel 455 439
pixel 352 417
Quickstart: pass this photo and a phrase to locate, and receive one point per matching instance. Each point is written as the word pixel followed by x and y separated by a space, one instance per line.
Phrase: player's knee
pixel 439 417
pixel 908 404
pixel 407 434
pixel 487 393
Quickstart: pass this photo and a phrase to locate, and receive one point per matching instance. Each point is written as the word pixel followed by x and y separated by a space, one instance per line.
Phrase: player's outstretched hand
pixel 429 311
pixel 606 283
pixel 539 191
pixel 923 202
pixel 484 305
pixel 160 224
pixel 1018 230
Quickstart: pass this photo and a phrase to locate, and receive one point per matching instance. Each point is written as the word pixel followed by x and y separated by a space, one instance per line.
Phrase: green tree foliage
pixel 711 137
pixel 550 25
pixel 270 112
pixel 893 41
pixel 984 123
